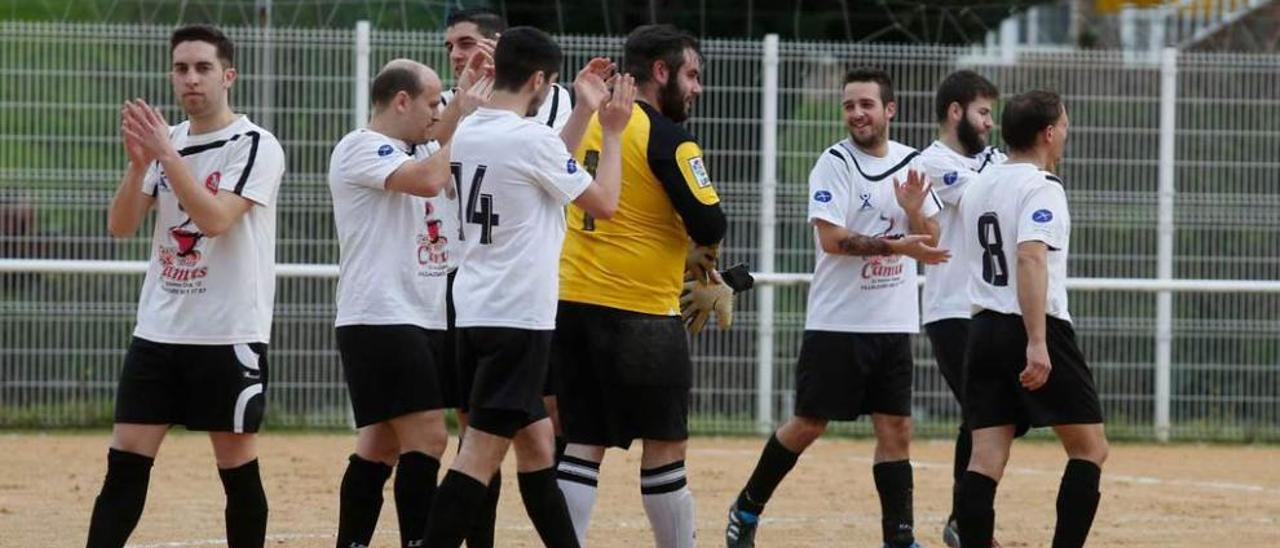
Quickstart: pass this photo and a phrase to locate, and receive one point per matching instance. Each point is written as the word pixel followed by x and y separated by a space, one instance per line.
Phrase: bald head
pixel 402 75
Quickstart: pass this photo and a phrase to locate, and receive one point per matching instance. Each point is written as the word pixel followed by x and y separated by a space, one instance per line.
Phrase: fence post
pixel 266 65
pixel 360 106
pixel 1164 248
pixel 768 239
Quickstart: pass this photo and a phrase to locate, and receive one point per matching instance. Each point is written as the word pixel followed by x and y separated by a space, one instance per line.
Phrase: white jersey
pixel 946 286
pixel 876 294
pixel 514 178
pixel 393 246
pixel 1007 205
pixel 554 112
pixel 214 290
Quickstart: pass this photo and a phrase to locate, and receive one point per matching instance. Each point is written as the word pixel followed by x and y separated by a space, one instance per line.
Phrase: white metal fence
pixel 1200 361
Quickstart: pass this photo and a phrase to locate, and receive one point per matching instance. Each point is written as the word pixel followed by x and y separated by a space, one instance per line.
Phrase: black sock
pixel 964 448
pixel 458 499
pixel 1077 503
pixel 246 511
pixel 415 487
pixel 545 505
pixel 360 501
pixel 481 533
pixel 976 514
pixel 560 445
pixel 119 504
pixel 775 462
pixel 894 483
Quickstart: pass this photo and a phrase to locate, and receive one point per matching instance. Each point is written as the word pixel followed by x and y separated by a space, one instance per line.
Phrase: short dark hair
pixel 208 34
pixel 521 53
pixel 1026 115
pixel 874 75
pixel 487 21
pixel 394 80
pixel 963 87
pixel 650 43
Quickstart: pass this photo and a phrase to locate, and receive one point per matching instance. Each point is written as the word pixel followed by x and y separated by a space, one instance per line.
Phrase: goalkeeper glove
pixel 701 297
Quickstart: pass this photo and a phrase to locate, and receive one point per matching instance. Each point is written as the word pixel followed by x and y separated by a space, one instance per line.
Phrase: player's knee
pixel 661 452
pixel 803 431
pixel 1095 451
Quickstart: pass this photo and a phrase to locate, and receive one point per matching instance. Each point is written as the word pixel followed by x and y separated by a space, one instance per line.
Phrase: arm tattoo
pixel 859 245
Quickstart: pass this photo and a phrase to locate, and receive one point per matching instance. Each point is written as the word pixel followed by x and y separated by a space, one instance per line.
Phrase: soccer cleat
pixel 951 534
pixel 741 532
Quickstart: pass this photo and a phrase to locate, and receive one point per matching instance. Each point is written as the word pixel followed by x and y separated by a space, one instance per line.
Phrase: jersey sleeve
pixel 368 160
pixel 1043 217
pixel 255 168
pixel 948 174
pixel 829 188
pixel 151 180
pixel 676 161
pixel 555 171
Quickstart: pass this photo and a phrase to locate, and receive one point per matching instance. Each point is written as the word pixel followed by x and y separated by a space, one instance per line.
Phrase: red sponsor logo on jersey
pixel 882 267
pixel 211 182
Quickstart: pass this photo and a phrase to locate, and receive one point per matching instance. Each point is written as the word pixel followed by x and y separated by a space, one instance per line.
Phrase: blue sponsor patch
pixel 1042 216
pixel 822 196
pixel 571 167
pixel 385 150
pixel 950 178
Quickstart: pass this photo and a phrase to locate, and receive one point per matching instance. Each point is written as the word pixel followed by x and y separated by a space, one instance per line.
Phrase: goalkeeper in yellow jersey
pixel 620 350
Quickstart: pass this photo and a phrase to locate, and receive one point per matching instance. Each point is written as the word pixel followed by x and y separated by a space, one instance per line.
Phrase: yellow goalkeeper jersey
pixel 635 261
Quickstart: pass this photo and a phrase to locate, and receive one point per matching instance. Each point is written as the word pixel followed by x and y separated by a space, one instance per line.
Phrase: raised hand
pixel 476 96
pixel 912 193
pixel 615 114
pixel 478 66
pixel 132 147
pixel 589 86
pixel 146 127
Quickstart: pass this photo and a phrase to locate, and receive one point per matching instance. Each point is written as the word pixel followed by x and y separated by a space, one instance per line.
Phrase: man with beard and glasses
pixel 872 211
pixel 963 106
pixel 619 345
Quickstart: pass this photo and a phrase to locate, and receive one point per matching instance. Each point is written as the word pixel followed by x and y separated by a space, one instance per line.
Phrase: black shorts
pixel 841 376
pixel 502 371
pixel 390 371
pixel 950 337
pixel 624 375
pixel 997 354
pixel 212 388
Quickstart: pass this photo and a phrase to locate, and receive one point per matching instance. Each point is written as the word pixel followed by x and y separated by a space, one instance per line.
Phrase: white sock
pixel 669 505
pixel 578 479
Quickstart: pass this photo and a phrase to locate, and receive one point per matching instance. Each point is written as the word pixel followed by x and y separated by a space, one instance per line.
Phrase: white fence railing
pixel 1170 172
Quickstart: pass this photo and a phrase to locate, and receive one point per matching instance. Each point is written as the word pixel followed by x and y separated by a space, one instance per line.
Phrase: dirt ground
pixel 1180 495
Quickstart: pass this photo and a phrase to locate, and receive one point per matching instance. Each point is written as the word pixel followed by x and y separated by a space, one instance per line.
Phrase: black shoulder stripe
pixel 197 149
pixel 935 200
pixel 880 176
pixel 555 106
pixel 986 160
pixel 837 154
pixel 1053 178
pixel 248 165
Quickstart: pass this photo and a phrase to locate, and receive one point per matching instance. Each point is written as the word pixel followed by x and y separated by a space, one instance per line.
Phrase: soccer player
pixel 199 351
pixel 474 31
pixel 872 216
pixel 963 108
pixel 1024 366
pixel 619 345
pixel 391 300
pixel 516 176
